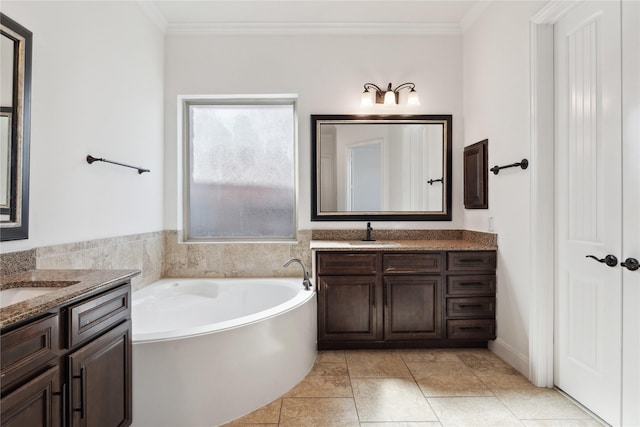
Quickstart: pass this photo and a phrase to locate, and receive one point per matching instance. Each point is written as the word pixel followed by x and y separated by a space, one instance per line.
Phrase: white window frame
pixel 184 102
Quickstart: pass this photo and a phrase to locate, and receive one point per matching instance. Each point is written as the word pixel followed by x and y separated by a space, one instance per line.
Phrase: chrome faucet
pixel 369 230
pixel 305 281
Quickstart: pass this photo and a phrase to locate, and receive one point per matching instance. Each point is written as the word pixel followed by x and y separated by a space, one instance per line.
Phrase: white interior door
pixel 631 214
pixel 588 339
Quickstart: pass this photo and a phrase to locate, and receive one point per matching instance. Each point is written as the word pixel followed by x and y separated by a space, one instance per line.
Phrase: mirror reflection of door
pixel 6 109
pixel 5 160
pixel 364 175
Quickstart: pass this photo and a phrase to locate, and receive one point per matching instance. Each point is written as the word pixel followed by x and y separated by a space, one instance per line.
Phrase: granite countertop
pixel 402 245
pixel 70 285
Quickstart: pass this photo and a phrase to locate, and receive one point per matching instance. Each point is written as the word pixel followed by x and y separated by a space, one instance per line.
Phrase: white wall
pixel 496 106
pixel 98 81
pixel 328 73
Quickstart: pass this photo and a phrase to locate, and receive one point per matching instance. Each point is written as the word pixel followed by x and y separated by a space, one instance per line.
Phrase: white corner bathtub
pixel 206 351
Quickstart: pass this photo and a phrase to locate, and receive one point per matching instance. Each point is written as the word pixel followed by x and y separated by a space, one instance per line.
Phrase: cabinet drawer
pixel 483 329
pixel 90 318
pixel 471 307
pixel 476 284
pixel 471 261
pixel 341 263
pixel 29 348
pixel 412 263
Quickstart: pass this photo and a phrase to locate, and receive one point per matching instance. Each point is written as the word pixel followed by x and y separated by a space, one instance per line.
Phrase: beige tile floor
pixel 416 388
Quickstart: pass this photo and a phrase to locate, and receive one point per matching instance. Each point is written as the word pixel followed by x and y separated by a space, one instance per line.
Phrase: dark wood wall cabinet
pixel 72 366
pixel 384 299
pixel 476 175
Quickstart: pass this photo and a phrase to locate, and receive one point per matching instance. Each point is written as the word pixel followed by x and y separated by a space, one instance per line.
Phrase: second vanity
pixel 66 348
pixel 405 293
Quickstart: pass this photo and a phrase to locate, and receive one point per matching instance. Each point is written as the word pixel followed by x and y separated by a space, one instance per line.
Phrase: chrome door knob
pixel 630 264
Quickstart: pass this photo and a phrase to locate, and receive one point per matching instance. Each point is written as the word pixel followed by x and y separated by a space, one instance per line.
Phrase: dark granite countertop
pixel 69 285
pixel 402 245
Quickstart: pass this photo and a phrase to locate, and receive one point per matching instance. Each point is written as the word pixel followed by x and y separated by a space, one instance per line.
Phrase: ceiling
pixel 178 16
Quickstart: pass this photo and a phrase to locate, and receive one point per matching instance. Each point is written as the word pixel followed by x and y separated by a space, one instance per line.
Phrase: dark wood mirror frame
pixel 444 215
pixel 17 225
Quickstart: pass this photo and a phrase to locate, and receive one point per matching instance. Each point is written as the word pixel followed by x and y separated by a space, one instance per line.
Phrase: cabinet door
pixel 100 380
pixel 28 350
pixel 347 308
pixel 35 404
pixel 412 307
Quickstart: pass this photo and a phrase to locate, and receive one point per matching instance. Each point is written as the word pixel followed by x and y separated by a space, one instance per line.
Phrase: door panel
pixel 347 308
pixel 412 307
pixel 34 404
pixel 100 380
pixel 589 206
pixel 631 188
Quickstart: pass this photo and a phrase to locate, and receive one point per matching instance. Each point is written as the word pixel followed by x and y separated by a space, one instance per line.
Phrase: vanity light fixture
pixel 374 95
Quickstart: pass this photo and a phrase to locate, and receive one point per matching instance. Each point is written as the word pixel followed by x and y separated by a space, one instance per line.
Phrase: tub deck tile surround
pixel 473 387
pixel 70 284
pixel 234 259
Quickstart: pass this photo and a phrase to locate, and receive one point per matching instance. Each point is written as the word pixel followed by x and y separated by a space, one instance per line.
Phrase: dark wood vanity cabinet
pixel 72 366
pixel 405 299
pixel 30 375
pixel 471 295
pixel 412 290
pixel 348 297
pixel 100 386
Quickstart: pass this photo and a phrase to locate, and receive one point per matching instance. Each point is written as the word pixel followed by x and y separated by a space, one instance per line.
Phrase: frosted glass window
pixel 241 182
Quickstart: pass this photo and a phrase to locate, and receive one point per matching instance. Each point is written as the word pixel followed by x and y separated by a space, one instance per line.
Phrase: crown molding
pixel 312 28
pixel 553 11
pixel 473 14
pixel 153 13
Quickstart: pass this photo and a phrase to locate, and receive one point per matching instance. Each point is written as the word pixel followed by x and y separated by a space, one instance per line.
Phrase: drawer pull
pixel 471 328
pixel 470 260
pixel 470 305
pixel 471 284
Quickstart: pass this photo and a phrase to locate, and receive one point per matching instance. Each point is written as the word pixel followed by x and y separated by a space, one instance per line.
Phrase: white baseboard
pixel 517 360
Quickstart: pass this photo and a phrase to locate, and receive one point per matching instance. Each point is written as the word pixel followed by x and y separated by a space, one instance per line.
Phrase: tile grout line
pixel 420 388
pixel 353 394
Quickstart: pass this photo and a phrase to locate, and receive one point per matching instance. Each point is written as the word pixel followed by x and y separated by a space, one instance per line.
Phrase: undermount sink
pixel 21 291
pixel 374 243
pixel 15 295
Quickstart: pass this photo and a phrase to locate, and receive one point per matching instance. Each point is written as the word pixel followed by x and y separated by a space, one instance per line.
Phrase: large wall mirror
pixel 15 120
pixel 390 168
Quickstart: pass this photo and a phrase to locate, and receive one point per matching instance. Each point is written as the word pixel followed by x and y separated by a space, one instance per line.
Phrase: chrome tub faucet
pixel 305 281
